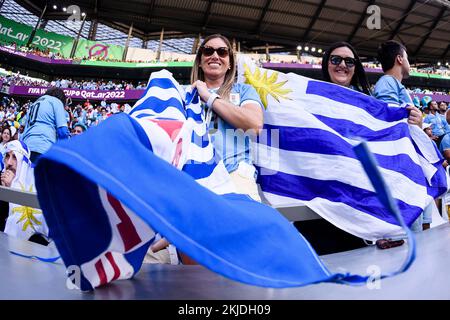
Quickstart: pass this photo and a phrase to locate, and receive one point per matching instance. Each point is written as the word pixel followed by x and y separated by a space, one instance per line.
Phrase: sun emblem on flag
pixel 266 85
pixel 28 214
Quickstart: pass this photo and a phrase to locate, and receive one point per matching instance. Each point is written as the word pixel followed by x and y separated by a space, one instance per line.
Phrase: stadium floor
pixel 428 277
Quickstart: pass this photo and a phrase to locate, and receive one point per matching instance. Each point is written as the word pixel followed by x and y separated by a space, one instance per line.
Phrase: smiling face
pixel 213 66
pixel 341 74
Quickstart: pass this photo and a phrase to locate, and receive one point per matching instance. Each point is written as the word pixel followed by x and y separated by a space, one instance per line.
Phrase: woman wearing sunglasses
pixel 341 65
pixel 234 111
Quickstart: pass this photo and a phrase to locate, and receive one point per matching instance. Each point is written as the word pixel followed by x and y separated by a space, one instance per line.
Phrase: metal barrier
pixel 292 212
pixel 25 198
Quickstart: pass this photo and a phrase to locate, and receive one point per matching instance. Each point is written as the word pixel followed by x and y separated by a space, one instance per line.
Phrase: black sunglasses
pixel 209 51
pixel 336 60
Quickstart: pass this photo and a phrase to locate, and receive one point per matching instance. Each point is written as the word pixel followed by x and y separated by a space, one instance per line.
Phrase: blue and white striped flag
pixel 166 106
pixel 305 154
pixel 106 193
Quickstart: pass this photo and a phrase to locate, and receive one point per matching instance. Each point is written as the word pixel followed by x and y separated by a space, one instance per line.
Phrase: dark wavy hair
pixel 57 93
pixel 388 52
pixel 359 80
pixel 1 133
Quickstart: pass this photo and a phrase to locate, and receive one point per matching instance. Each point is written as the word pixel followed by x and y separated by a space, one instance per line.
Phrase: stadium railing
pixel 292 212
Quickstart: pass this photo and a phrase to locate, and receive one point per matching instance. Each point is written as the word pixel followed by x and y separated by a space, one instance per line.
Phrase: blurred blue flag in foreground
pixel 106 193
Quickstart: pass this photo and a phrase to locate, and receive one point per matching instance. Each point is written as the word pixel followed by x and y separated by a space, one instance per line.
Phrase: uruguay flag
pixel 175 123
pixel 305 154
pixel 106 193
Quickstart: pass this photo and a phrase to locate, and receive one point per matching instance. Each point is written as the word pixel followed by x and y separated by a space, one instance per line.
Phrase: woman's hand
pixel 159 245
pixel 202 89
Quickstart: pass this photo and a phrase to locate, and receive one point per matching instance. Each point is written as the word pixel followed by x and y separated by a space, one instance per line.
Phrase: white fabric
pixel 23 222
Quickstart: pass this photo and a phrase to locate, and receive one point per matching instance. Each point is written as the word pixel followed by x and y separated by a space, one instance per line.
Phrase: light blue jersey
pixel 45 116
pixel 440 125
pixel 388 89
pixel 234 145
pixel 445 143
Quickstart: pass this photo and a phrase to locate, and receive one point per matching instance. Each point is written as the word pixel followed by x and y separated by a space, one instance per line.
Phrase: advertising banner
pixel 11 31
pixel 53 42
pixel 87 49
pixel 291 65
pixel 308 66
pixel 48 60
pixel 140 54
pixel 136 64
pixel 12 51
pixel 435 97
pixel 36 57
pixel 418 74
pixel 80 94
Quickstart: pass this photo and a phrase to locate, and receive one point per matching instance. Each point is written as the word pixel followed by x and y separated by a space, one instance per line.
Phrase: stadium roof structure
pixel 422 25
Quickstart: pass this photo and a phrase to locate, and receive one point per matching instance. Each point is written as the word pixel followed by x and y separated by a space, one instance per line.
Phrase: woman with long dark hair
pixel 342 65
pixel 6 135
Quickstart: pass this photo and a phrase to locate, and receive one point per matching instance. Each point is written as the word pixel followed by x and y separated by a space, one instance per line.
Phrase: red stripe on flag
pixel 172 127
pixel 101 272
pixel 126 228
pixel 114 265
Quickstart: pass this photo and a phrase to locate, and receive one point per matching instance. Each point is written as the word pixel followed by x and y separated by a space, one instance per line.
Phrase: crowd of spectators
pixel 32 50
pixel 317 61
pixel 55 55
pixel 442 91
pixel 97 84
pixel 21 80
pixel 86 114
pixel 92 84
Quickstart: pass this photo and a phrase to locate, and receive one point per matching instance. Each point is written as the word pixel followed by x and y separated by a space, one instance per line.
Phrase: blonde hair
pixel 230 75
